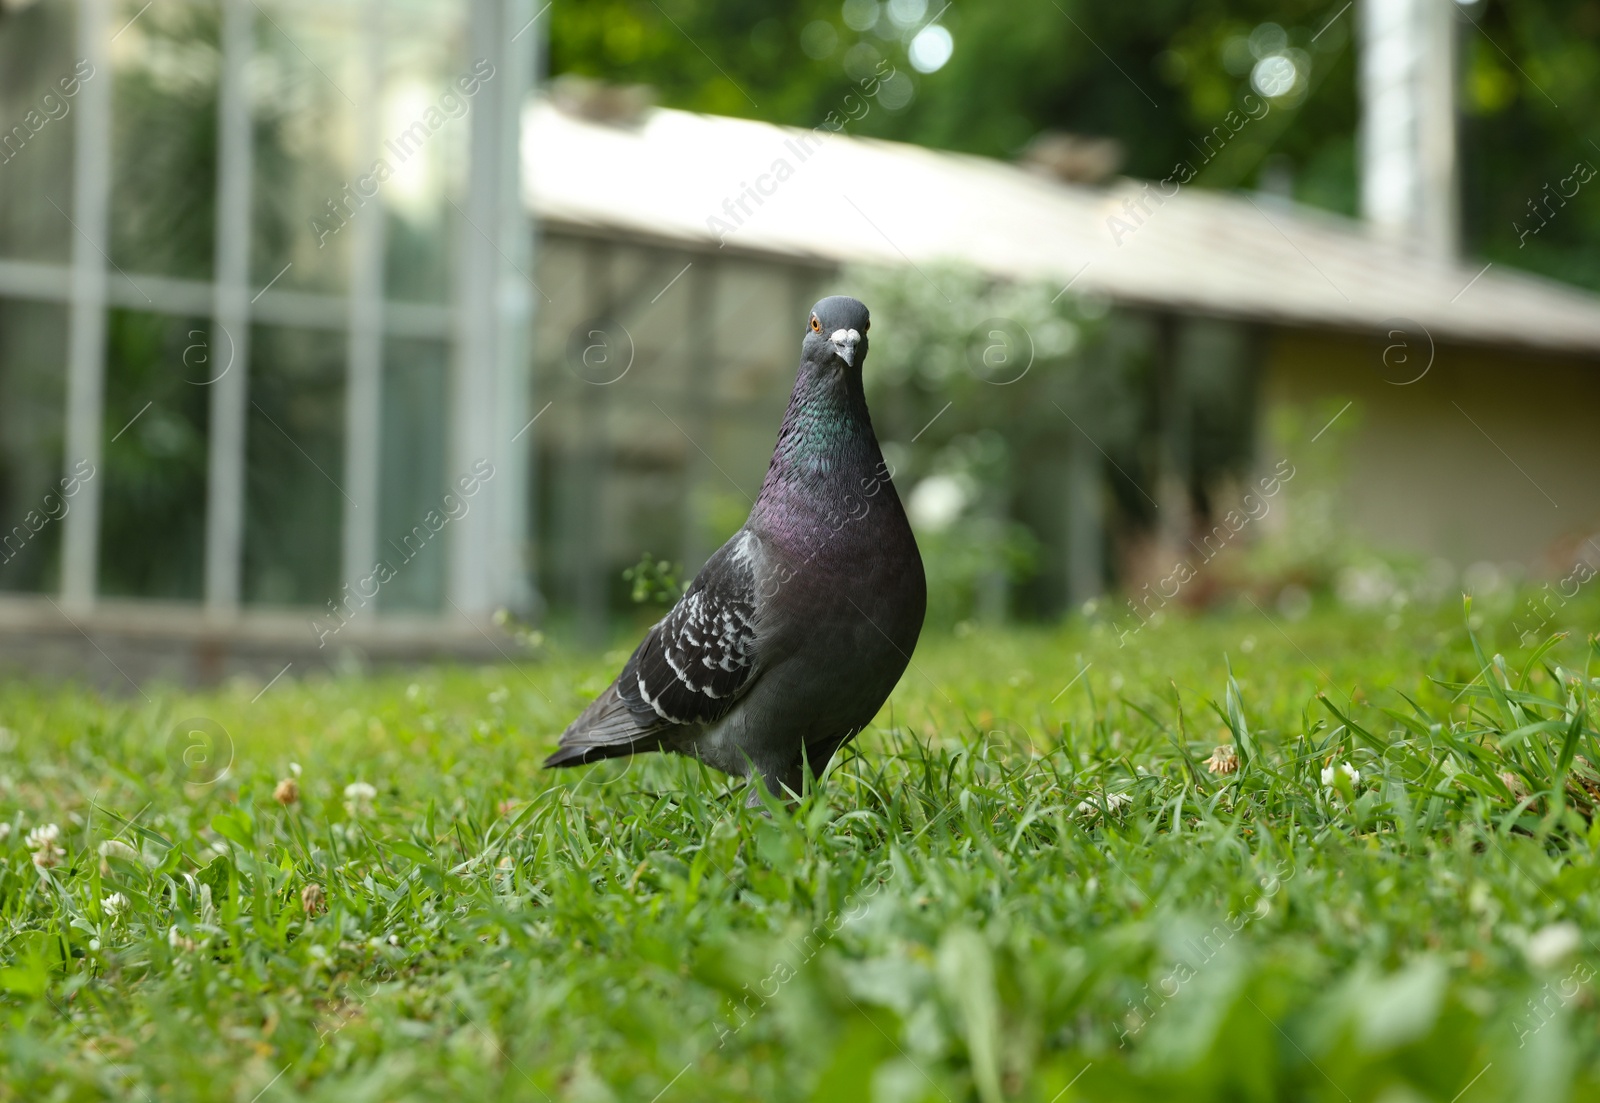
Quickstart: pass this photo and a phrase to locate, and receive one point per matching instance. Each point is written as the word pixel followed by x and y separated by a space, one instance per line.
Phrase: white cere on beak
pixel 844 343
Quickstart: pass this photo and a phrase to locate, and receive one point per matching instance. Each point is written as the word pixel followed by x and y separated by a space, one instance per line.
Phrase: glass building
pixel 264 308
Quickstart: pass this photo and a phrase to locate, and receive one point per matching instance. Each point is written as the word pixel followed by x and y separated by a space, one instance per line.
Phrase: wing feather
pixel 689 670
pixel 699 659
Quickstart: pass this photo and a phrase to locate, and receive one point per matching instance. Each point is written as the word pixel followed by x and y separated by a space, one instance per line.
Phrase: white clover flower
pixel 358 797
pixel 180 941
pixel 42 836
pixel 114 905
pixel 1114 804
pixel 113 848
pixel 1330 773
pixel 42 841
pixel 5 832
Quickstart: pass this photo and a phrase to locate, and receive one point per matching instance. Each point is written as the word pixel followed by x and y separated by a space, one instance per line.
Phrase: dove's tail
pixel 608 728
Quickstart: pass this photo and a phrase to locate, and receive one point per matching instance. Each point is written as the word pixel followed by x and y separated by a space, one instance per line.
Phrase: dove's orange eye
pixel 816 326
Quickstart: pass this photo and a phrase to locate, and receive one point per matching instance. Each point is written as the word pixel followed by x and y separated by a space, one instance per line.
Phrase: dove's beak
pixel 844 343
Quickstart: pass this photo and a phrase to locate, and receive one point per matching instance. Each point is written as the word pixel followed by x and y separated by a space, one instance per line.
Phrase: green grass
pixel 1012 887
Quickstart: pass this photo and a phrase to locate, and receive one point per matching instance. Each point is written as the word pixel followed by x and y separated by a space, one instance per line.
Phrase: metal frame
pixel 86 337
pixel 363 408
pixel 494 309
pixel 230 326
pixel 52 283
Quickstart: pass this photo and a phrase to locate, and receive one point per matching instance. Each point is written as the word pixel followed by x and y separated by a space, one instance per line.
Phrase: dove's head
pixel 837 328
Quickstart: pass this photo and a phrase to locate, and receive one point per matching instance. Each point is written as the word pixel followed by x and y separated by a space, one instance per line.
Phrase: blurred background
pixel 348 332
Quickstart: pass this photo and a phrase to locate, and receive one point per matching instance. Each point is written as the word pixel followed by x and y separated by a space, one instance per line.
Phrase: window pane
pixel 33 346
pixel 164 151
pixel 152 532
pixel 294 459
pixel 36 122
pixel 415 399
pixel 425 125
pixel 306 84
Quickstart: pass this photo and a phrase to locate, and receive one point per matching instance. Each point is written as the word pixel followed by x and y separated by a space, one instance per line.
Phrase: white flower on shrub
pixel 1549 945
pixel 937 501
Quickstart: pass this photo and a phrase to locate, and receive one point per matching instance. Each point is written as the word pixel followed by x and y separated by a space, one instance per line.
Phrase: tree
pixel 1154 75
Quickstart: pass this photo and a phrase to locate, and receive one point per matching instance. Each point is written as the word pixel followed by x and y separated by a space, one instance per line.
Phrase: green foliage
pixel 1308 544
pixel 523 631
pixel 971 564
pixel 971 387
pixel 1157 76
pixel 654 581
pixel 1024 877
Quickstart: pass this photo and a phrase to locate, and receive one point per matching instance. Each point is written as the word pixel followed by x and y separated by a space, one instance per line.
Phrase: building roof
pixel 828 198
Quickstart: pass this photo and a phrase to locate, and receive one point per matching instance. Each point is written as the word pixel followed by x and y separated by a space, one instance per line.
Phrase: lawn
pixel 1028 881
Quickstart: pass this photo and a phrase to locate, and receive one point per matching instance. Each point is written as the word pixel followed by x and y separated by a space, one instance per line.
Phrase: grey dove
pixel 795 631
